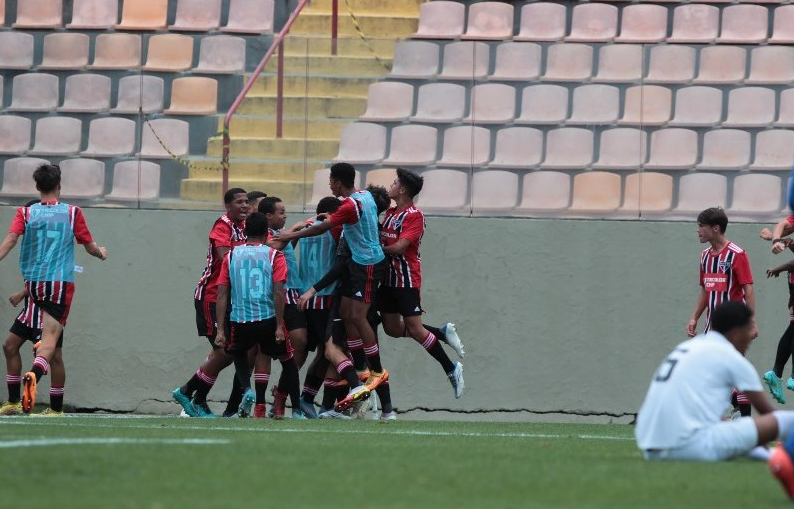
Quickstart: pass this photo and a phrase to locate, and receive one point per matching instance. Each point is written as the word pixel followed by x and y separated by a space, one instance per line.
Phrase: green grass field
pixel 95 462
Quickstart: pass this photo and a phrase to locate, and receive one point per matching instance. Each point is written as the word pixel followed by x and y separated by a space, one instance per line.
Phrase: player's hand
pixel 284 236
pixel 16 298
pixel 220 339
pixel 691 328
pixel 778 247
pixel 765 234
pixel 103 253
pixel 280 336
pixel 772 273
pixel 303 300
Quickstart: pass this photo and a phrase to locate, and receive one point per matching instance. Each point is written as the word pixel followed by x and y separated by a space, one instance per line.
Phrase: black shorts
pixel 403 301
pixel 262 333
pixel 316 327
pixel 58 311
pixel 207 323
pixel 294 317
pixel 30 334
pixel 362 281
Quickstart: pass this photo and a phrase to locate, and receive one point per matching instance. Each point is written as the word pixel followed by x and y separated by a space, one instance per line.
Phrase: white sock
pixel 759 453
pixel 785 423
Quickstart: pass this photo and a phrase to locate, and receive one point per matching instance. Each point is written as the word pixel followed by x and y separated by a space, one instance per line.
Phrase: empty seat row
pixel 90 93
pixel 222 54
pixel 107 137
pixel 617 63
pixel 567 148
pixel 598 22
pixel 85 178
pixel 245 16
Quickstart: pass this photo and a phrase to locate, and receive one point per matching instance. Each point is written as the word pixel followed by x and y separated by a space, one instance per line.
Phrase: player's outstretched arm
pixel 775 271
pixel 760 402
pixel 397 248
pixel 96 251
pixel 311 231
pixel 8 244
pixel 700 306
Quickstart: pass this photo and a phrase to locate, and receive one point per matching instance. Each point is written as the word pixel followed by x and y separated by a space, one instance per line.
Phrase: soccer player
pixel 253 275
pixel 785 347
pixel 681 417
pixel 48 230
pixel 399 298
pixel 227 232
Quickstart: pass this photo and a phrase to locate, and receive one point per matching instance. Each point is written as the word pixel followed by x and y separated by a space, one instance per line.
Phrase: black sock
pixel 15 390
pixel 745 410
pixel 191 386
pixel 359 359
pixel 329 394
pixel 438 353
pixel 384 395
pixel 436 332
pixel 236 394
pixel 290 382
pixel 784 350
pixel 56 398
pixel 349 374
pixel 311 386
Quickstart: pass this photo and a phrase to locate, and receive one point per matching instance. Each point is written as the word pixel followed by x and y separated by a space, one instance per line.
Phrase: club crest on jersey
pixel 724 266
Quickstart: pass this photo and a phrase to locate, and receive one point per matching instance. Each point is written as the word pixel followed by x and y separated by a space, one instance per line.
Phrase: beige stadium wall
pixel 563 320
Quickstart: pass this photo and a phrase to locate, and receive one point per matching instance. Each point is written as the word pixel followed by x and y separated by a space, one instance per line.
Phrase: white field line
pixel 48 442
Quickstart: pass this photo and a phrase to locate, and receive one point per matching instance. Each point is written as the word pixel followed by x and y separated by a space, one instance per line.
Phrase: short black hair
pixel 410 181
pixel 329 204
pixel 254 195
pixel 256 225
pixel 268 205
pixel 714 216
pixel 381 197
pixel 228 197
pixel 47 177
pixel 730 315
pixel 345 173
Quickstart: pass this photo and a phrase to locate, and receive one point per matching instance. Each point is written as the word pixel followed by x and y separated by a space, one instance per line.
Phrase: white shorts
pixel 722 441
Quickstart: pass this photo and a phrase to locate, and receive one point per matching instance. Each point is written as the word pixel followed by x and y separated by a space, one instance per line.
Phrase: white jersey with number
pixel 691 390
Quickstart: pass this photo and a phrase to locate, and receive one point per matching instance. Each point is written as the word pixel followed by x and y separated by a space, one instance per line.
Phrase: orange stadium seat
pixel 725 149
pixel 519 148
pixel 697 107
pixel 415 59
pixel 441 20
pixel 65 51
pixel 517 61
pixel 221 54
pixel 94 14
pixel 193 96
pixel 722 65
pixel 34 92
pixel 773 150
pixel 494 191
pixel 595 104
pixel 16 50
pixel 117 51
pixel 648 192
pixel 140 93
pixel 750 107
pixel 545 191
pixel 643 23
pixel 389 101
pixel 596 191
pixel 362 143
pixel 82 178
pixel 465 60
pixel 86 93
pixel 696 191
pixel 771 65
pixel 172 133
pixel 197 15
pixel 57 136
pixel 543 104
pixel 169 53
pixel 39 14
pixel 466 146
pixel 440 103
pixel 786 114
pixel 489 20
pixel 593 22
pixel 320 187
pixel 671 64
pixel 568 148
pixel 620 63
pixel 14 134
pixel 18 177
pixel 623 148
pixel 744 24
pixel 783 25
pixel 542 21
pixel 413 145
pixel 444 191
pixel 647 105
pixel 250 17
pixel 673 149
pixel 143 15
pixel 492 103
pixel 695 23
pixel 110 137
pixel 569 62
pixel 756 194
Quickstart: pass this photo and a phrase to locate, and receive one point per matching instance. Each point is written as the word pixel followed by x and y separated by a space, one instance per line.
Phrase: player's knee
pixel 10 347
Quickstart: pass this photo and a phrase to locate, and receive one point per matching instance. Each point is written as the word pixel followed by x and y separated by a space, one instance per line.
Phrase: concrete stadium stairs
pixel 322 93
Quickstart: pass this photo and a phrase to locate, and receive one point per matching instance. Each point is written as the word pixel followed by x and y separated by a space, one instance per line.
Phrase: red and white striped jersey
pixel 224 233
pixel 722 276
pixel 405 270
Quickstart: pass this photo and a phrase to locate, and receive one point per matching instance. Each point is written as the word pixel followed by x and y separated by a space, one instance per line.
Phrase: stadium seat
pixel 542 21
pixel 413 145
pixel 543 104
pixel 492 103
pixel 623 148
pixel 143 15
pixel 725 149
pixel 771 65
pixel 440 102
pixel 595 104
pixel 320 187
pixel 86 93
pixel 647 105
pixel 82 178
pixel 466 146
pixel 519 148
pixel 697 191
pixel 65 51
pixel 250 17
pixel 569 62
pixel 722 65
pixel 18 177
pixel 620 63
pixel 110 137
pixel 648 192
pixel 94 14
pixel 389 101
pixel 173 133
pixel 673 149
pixel 14 134
pixel 16 50
pixel 444 191
pixel 517 61
pixel 489 21
pixel 34 92
pixel 786 114
pixel 750 107
pixel 117 51
pixel 139 93
pixel 441 19
pixel 697 107
pixel 744 24
pixel 783 25
pixel 57 136
pixel 169 53
pixel 545 191
pixel 593 22
pixel 773 150
pixel 756 194
pixel 494 191
pixel 197 15
pixel 221 54
pixel 362 143
pixel 415 59
pixel 135 181
pixel 671 64
pixel 568 148
pixel 695 23
pixel 383 177
pixel 596 191
pixel 39 14
pixel 465 60
pixel 643 23
pixel 193 96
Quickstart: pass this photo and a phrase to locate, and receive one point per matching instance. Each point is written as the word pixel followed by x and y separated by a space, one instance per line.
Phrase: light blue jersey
pixel 251 281
pixel 363 236
pixel 47 250
pixel 316 259
pixel 293 277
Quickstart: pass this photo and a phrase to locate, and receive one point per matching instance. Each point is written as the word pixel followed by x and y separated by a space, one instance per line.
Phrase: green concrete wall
pixel 562 319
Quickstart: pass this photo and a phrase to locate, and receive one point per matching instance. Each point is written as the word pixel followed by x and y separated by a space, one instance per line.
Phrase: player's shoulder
pixel 735 248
